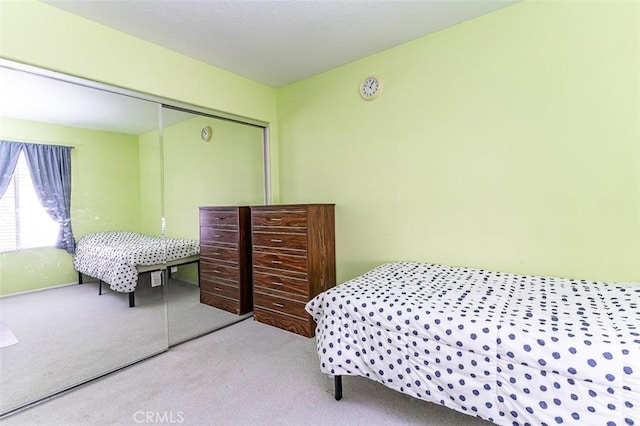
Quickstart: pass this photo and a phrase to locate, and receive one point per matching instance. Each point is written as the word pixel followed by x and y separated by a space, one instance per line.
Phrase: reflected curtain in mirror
pixel 50 169
pixel 9 152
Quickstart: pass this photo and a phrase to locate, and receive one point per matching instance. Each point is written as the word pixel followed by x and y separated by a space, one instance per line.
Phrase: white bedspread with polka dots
pixel 511 349
pixel 113 256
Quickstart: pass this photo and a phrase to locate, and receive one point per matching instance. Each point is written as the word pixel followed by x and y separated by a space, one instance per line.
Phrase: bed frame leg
pixel 100 287
pixel 132 299
pixel 338 388
pixel 79 277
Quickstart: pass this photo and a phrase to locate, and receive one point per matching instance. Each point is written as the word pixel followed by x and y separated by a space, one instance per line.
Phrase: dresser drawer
pixel 218 271
pixel 219 217
pixel 210 235
pixel 219 288
pixel 277 218
pixel 228 305
pixel 302 326
pixel 219 253
pixel 289 241
pixel 279 304
pixel 281 282
pixel 282 262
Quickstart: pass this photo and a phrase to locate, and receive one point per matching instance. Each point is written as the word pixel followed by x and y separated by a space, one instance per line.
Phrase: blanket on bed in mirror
pixel 113 256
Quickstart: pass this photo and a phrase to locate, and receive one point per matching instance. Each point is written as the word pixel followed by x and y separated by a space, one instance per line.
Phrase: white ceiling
pixel 28 96
pixel 277 42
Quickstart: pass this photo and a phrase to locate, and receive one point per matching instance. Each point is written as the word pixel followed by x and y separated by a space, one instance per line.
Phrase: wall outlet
pixel 174 269
pixel 156 278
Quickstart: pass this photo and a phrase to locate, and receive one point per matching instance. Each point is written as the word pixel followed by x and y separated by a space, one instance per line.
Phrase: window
pixel 24 223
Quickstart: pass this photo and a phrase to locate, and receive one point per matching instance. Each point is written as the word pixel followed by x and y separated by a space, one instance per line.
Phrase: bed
pixel 118 257
pixel 510 349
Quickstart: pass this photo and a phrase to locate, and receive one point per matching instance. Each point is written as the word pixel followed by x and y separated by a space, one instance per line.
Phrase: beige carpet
pixel 245 374
pixel 70 334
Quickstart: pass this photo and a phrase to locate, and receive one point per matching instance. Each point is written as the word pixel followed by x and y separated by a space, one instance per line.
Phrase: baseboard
pixel 35 290
pixel 185 281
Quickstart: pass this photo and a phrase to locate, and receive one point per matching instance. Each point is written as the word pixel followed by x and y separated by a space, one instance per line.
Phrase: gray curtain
pixel 50 167
pixel 9 152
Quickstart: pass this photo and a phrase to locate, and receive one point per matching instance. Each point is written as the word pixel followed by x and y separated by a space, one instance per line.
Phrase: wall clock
pixel 206 133
pixel 370 88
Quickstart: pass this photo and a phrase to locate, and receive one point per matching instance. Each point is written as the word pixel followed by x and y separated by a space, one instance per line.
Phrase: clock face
pixel 370 88
pixel 206 133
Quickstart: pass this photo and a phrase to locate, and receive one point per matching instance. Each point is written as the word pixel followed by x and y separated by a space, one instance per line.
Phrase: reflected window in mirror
pixel 35 196
pixel 24 223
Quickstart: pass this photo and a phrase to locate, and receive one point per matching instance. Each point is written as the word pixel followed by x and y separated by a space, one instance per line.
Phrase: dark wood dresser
pixel 225 258
pixel 293 258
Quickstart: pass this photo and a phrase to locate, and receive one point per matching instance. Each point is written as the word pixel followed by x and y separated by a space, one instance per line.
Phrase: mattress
pixel 507 348
pixel 114 256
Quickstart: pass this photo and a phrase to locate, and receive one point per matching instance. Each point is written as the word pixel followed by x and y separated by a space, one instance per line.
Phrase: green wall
pixel 105 196
pixel 509 142
pixel 150 163
pixel 225 171
pixel 228 170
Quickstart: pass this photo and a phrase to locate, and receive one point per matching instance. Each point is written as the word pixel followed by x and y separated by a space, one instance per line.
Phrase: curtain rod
pixel 37 143
pixel 52 144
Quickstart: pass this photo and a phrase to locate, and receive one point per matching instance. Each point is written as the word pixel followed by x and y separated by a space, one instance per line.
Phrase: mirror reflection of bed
pixel 124 177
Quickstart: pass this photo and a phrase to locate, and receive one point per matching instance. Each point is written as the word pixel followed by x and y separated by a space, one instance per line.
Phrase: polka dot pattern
pixel 112 256
pixel 511 349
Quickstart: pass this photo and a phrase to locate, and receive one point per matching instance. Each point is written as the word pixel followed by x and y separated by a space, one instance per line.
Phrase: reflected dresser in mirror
pixel 225 258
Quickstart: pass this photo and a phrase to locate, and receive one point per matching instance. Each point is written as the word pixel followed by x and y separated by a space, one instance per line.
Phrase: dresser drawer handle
pixel 216 253
pixel 222 218
pixel 275 241
pixel 279 305
pixel 275 219
pixel 276 261
pixel 276 283
pixel 217 271
pixel 217 288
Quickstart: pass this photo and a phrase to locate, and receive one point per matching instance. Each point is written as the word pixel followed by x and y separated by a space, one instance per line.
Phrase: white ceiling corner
pixel 274 42
pixel 277 42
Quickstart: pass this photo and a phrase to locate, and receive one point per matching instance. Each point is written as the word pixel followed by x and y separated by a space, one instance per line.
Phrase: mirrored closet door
pixel 138 168
pixel 54 332
pixel 207 161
